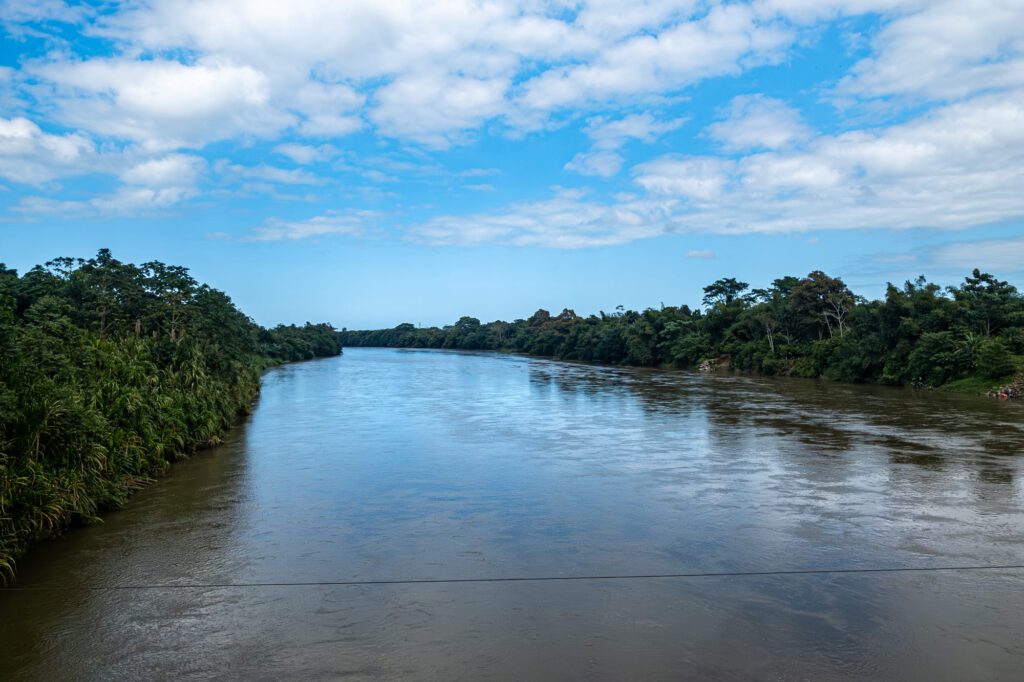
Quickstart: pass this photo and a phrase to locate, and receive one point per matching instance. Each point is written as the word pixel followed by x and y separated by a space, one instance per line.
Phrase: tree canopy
pixel 814 326
pixel 108 372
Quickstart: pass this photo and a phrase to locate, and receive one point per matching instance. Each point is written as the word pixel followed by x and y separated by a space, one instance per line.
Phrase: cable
pixel 521 579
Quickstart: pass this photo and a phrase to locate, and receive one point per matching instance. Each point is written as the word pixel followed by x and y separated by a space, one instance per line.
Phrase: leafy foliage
pixel 813 326
pixel 108 372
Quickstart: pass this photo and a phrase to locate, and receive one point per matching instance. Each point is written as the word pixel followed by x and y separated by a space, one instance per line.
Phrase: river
pixel 388 465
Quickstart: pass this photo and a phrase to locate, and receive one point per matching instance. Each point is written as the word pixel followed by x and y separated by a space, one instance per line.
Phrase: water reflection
pixel 396 465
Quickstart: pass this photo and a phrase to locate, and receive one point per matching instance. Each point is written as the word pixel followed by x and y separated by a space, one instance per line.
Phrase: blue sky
pixel 370 163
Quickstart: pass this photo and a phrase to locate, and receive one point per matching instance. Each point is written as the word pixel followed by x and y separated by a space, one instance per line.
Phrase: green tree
pixel 990 304
pixel 723 292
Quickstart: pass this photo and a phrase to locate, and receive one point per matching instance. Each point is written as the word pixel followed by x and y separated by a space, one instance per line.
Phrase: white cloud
pixel 141 200
pixel 26 11
pixel 188 73
pixel 435 108
pixel 273 175
pixel 352 223
pixel 149 186
pixel 997 255
pixel 329 110
pixel 163 104
pixel 953 168
pixel 358 39
pixel 698 179
pixel 125 201
pixel 615 19
pixel 377 175
pixel 307 154
pixel 173 170
pixel 450 61
pixel 759 122
pixel 478 173
pixel 438 71
pixel 728 39
pixel 944 49
pixel 601 164
pixel 613 134
pixel 608 136
pixel 28 155
pixel 567 220
pixel 706 254
pixel 255 67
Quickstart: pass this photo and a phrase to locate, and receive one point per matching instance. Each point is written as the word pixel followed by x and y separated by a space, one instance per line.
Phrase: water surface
pixel 419 465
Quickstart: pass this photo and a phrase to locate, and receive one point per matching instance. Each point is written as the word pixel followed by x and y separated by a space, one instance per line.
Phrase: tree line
pixel 109 371
pixel 919 334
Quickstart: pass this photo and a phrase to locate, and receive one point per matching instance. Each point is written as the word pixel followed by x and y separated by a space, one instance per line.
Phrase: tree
pixel 819 296
pixel 772 311
pixel 990 304
pixel 90 407
pixel 723 292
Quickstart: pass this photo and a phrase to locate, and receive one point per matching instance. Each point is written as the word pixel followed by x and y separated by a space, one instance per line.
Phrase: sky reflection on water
pixel 393 465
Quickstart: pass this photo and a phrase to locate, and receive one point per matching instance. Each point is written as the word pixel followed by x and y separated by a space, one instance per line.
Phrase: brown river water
pixel 386 465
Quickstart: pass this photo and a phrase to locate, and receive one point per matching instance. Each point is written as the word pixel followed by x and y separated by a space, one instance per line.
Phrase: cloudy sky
pixel 373 162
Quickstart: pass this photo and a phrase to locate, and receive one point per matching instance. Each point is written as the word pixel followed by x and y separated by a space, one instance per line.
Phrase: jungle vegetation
pixel 110 371
pixel 920 334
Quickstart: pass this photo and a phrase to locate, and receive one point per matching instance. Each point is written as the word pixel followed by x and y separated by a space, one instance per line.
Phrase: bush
pixel 994 360
pixel 938 359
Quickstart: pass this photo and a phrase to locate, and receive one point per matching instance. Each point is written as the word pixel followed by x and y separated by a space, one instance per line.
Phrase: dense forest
pixel 970 336
pixel 110 371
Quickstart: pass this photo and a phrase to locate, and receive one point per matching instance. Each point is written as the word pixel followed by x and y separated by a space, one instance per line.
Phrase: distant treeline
pixel 920 334
pixel 108 372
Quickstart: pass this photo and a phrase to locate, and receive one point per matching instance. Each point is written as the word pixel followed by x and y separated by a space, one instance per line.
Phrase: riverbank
pixel 1005 388
pixel 920 334
pixel 109 372
pixel 1011 391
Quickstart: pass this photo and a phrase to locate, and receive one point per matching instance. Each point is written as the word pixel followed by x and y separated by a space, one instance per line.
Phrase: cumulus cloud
pixel 148 186
pixel 15 12
pixel 435 108
pixel 608 136
pixel 946 49
pixel 28 155
pixel 299 77
pixel 422 70
pixel 728 39
pixel 613 134
pixel 758 122
pixel 173 170
pixel 697 179
pixel 952 168
pixel 162 104
pixel 435 71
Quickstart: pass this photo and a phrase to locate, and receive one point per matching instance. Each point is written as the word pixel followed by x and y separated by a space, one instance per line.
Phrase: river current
pixel 295 550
